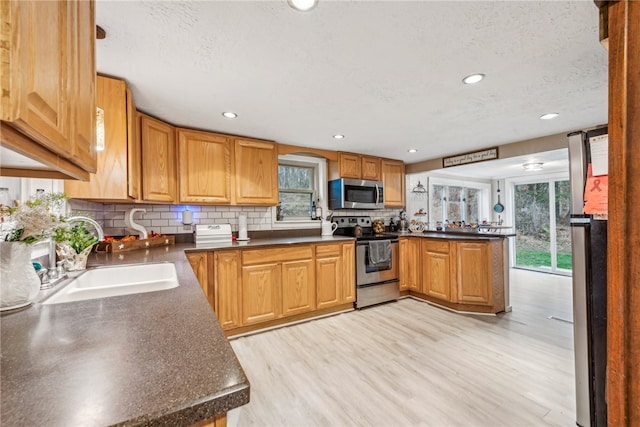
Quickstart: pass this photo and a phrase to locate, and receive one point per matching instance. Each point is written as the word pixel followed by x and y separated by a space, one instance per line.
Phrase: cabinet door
pixel 350 165
pixel 256 172
pixel 371 168
pixel 393 182
pixel 199 264
pixel 260 293
pixel 158 160
pixel 473 270
pixel 227 288
pixel 134 161
pixel 298 287
pixel 82 99
pixel 204 167
pixel 409 264
pixel 110 180
pixel 39 73
pixel 329 281
pixel 349 272
pixel 436 272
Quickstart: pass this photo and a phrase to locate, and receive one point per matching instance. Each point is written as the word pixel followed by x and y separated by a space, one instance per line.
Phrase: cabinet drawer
pixel 260 256
pixel 436 246
pixel 328 250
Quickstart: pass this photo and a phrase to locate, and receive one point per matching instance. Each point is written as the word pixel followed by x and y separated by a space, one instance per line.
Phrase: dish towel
pixel 380 253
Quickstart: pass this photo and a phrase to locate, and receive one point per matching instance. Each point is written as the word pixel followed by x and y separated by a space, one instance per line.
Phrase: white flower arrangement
pixel 35 220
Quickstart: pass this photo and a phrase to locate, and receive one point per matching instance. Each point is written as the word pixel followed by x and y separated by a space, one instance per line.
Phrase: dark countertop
pixel 275 241
pixel 453 235
pixel 156 358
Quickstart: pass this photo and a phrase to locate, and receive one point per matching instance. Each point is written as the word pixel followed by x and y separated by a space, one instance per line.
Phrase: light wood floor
pixel 409 363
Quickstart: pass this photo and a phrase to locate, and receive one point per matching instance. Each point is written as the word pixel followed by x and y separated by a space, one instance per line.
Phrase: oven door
pixel 367 273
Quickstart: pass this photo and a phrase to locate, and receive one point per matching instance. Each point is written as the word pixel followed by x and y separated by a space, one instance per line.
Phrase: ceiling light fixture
pixel 229 115
pixel 549 116
pixel 412 150
pixel 338 136
pixel 530 167
pixel 472 79
pixel 303 5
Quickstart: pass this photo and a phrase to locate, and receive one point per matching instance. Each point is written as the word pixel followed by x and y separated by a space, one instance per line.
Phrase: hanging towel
pixel 380 253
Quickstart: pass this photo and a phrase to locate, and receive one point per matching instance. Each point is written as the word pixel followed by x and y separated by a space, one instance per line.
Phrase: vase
pixel 73 261
pixel 19 282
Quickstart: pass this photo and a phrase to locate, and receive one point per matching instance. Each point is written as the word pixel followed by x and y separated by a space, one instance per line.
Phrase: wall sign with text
pixel 474 157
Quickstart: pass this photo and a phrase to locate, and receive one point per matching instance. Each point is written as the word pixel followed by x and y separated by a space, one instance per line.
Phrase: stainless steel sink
pixel 107 282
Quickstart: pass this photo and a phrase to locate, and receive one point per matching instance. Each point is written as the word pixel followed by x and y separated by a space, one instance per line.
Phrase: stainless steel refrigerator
pixel 589 250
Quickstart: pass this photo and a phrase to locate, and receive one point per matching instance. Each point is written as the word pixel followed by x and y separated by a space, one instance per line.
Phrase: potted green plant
pixel 74 244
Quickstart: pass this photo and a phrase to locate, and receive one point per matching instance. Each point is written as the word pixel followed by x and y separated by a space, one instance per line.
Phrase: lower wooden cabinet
pixel 261 286
pixel 463 275
pixel 200 265
pixel 260 293
pixel 227 279
pixel 436 269
pixel 335 274
pixel 348 272
pixel 473 273
pixel 329 277
pixel 409 264
pixel 298 287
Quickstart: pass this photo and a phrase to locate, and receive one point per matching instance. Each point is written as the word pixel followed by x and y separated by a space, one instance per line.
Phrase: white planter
pixel 73 261
pixel 19 282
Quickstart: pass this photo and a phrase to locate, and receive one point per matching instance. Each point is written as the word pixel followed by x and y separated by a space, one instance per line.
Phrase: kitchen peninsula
pixel 464 272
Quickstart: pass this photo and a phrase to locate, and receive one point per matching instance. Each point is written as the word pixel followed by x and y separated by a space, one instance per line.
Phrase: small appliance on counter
pixel 211 234
pixel 403 225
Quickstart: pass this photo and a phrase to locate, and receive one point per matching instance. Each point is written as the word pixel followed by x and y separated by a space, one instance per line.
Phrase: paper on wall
pixel 600 154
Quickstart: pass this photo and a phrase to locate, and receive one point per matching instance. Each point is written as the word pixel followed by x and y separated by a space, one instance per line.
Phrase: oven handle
pixel 366 242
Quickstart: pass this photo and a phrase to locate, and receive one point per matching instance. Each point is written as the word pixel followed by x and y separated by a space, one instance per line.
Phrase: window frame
pixel 484 196
pixel 320 190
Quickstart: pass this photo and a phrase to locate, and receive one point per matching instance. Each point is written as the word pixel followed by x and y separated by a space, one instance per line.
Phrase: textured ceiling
pixel 387 74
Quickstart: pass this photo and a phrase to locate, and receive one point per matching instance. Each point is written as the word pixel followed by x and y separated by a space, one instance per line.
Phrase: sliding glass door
pixel 541 221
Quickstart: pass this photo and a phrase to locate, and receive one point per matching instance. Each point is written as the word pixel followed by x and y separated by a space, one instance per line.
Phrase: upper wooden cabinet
pixel 350 165
pixel 158 148
pixel 356 166
pixel 205 167
pixel 371 168
pixel 393 183
pixel 118 175
pixel 256 172
pixel 48 83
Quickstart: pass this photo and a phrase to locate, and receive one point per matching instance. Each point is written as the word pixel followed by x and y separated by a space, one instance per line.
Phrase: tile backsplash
pixel 166 219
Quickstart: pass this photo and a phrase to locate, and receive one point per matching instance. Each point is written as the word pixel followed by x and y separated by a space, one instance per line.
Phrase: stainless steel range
pixel 377 277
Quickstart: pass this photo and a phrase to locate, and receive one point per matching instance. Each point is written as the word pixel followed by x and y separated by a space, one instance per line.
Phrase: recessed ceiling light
pixel 549 116
pixel 534 166
pixel 473 78
pixel 230 115
pixel 303 5
pixel 412 150
pixel 338 136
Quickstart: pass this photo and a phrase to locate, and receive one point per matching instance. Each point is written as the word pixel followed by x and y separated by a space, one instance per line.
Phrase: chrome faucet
pixel 90 221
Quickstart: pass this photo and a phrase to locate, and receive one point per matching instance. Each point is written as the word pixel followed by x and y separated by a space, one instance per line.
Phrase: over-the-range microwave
pixel 355 194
